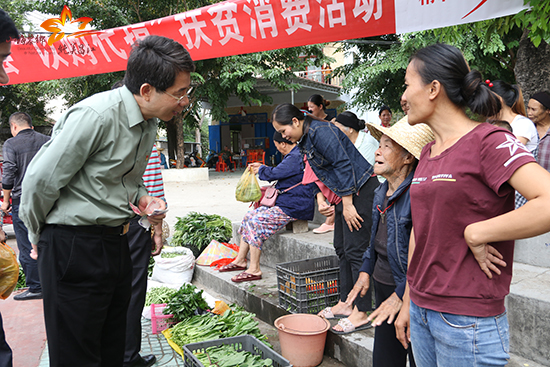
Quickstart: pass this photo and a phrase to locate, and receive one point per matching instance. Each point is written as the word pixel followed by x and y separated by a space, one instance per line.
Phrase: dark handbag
pixel 271 194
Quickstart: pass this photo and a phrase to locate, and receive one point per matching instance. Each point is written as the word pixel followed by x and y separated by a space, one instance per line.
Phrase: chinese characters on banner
pixel 244 26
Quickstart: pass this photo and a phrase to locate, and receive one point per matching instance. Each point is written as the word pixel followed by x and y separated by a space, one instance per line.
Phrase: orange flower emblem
pixel 54 25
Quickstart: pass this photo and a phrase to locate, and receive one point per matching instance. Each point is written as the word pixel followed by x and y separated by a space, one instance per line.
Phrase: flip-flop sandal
pixel 327 314
pixel 348 327
pixel 231 267
pixel 245 277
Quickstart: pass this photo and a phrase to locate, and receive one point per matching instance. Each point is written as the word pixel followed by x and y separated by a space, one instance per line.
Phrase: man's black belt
pixel 99 230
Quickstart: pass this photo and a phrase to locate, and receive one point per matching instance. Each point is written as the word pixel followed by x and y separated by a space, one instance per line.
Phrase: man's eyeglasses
pixel 179 99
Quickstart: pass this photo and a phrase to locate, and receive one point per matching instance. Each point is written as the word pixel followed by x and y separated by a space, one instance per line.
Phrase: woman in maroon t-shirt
pixel 464 222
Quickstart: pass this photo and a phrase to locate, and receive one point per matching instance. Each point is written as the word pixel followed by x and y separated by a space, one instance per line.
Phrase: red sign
pixel 229 28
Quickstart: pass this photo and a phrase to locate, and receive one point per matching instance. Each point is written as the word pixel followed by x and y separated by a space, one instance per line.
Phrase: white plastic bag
pixel 174 270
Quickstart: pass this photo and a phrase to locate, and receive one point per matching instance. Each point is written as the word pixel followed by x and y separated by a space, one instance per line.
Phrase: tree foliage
pixel 31 97
pixel 376 75
pixel 215 80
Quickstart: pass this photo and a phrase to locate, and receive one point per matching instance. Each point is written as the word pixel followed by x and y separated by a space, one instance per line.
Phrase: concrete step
pixel 261 298
pixel 286 246
pixel 528 304
pixel 534 251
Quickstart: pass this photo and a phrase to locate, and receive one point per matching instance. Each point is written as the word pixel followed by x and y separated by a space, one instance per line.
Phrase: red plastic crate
pixel 160 321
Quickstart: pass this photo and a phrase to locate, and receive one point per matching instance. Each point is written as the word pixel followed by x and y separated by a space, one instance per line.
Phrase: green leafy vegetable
pixel 21 281
pixel 166 255
pixel 205 327
pixel 185 302
pixel 159 295
pixel 227 356
pixel 196 230
pixel 150 266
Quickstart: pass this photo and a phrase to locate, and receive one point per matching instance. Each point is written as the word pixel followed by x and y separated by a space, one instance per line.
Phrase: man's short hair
pixel 22 119
pixel 384 108
pixel 157 61
pixel 8 30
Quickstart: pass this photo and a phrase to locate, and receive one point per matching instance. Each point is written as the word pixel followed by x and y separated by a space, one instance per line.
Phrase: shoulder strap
pixel 290 188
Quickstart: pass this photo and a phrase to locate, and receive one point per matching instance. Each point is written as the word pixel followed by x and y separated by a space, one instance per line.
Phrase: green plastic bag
pixel 248 188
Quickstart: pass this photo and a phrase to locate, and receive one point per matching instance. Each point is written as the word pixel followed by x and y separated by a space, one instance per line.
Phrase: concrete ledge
pixel 192 174
pixel 533 251
pixel 528 308
pixel 298 226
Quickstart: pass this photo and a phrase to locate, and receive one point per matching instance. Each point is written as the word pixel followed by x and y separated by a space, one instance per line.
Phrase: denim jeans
pixel 447 340
pixel 29 265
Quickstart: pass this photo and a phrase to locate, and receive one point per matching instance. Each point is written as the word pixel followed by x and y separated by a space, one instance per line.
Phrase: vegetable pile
pixel 226 356
pixel 167 255
pixel 150 267
pixel 21 281
pixel 207 327
pixel 196 230
pixel 159 295
pixel 185 302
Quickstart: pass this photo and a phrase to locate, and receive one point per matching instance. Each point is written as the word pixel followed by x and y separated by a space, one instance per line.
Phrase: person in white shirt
pixel 513 111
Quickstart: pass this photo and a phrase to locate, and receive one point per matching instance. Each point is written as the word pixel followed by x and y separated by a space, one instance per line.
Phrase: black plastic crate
pixel 245 342
pixel 308 286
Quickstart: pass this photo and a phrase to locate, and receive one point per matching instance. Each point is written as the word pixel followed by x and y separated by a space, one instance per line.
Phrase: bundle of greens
pixel 159 295
pixel 185 302
pixel 21 281
pixel 169 255
pixel 150 266
pixel 196 230
pixel 227 356
pixel 197 329
pixel 209 327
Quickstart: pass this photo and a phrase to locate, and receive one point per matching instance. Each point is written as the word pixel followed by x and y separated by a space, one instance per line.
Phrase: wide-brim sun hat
pixel 412 138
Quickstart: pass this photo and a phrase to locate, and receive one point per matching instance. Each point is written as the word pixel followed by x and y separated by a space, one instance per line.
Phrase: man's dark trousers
pixel 29 265
pixel 5 350
pixel 139 241
pixel 86 278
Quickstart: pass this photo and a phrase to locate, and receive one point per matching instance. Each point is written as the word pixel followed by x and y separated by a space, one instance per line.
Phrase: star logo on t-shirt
pixel 511 143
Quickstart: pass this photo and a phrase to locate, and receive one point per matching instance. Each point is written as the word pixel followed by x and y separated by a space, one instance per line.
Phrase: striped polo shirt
pixel 153 175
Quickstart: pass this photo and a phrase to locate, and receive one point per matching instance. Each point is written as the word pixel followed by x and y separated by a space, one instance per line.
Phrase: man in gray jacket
pixel 18 153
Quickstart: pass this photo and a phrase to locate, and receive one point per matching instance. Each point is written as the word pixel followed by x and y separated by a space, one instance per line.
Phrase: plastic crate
pixel 160 321
pixel 240 343
pixel 308 286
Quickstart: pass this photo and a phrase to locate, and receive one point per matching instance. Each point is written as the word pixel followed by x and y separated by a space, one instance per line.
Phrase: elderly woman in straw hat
pixel 386 257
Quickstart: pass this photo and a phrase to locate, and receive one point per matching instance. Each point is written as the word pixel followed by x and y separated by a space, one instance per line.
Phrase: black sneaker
pixel 27 295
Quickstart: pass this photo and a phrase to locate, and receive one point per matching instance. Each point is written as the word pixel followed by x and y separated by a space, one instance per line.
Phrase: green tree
pixel 215 80
pixel 513 48
pixel 31 97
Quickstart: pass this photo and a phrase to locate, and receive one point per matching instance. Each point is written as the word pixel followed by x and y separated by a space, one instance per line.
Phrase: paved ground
pixel 23 321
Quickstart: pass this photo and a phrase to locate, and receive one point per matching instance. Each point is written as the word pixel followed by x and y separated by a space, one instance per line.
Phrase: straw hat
pixel 412 138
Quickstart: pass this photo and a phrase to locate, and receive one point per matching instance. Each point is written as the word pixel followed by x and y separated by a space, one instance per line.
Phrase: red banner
pixel 230 28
